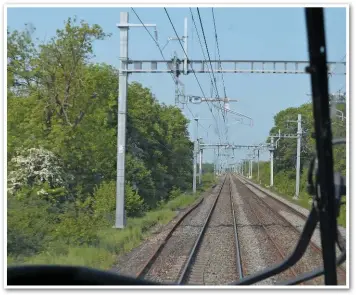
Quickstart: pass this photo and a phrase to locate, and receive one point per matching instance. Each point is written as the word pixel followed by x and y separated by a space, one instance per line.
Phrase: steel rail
pixel 296 212
pixel 293 210
pixel 238 250
pixel 150 261
pixel 183 276
pixel 275 244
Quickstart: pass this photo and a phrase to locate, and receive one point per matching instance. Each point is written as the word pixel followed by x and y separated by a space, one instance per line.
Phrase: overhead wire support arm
pixel 229 66
pixel 284 136
pixel 236 114
pixel 228 146
pixel 198 99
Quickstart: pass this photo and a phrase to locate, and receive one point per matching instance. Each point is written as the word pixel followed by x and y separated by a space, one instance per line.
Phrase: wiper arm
pixel 325 189
pixel 313 274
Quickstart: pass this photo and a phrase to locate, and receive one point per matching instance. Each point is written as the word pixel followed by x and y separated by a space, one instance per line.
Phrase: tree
pixel 63 69
pixel 22 71
pixel 62 142
pixel 286 152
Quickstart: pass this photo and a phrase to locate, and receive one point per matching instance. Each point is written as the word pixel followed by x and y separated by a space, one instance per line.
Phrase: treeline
pixel 62 142
pixel 286 153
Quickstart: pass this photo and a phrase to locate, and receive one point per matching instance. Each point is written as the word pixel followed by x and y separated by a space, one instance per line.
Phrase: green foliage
pixel 76 226
pixel 62 145
pixel 78 256
pixel 342 216
pixel 110 242
pixel 141 179
pixel 181 202
pixel 285 155
pixel 208 179
pixel 119 242
pixel 21 62
pixel 29 224
pixel 11 260
pixel 24 124
pixel 175 192
pixel 105 202
pixel 208 167
pixel 134 204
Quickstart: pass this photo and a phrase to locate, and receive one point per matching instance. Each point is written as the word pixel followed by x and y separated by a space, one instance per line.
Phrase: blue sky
pixel 244 33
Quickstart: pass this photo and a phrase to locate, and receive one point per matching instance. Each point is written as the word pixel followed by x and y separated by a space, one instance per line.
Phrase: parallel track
pixel 274 243
pixel 341 271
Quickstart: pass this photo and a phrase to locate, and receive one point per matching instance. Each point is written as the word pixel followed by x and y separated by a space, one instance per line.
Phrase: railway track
pixel 215 257
pixel 259 249
pixel 210 256
pixel 268 211
pixel 167 260
pixel 283 209
pixel 209 244
pixel 289 214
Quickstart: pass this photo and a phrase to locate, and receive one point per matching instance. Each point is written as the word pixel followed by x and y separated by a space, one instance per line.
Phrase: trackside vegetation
pixel 285 155
pixel 61 153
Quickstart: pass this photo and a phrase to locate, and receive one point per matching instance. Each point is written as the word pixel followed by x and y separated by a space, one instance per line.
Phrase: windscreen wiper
pixel 322 122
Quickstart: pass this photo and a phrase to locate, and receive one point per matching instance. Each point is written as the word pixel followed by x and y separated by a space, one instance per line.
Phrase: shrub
pixel 77 225
pixel 29 224
pixel 105 202
pixel 34 167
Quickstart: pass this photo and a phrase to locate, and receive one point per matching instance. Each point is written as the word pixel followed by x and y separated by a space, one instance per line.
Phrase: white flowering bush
pixel 36 166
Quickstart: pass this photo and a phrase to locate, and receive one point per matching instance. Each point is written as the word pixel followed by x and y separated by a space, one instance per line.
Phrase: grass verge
pixel 113 242
pixel 304 201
